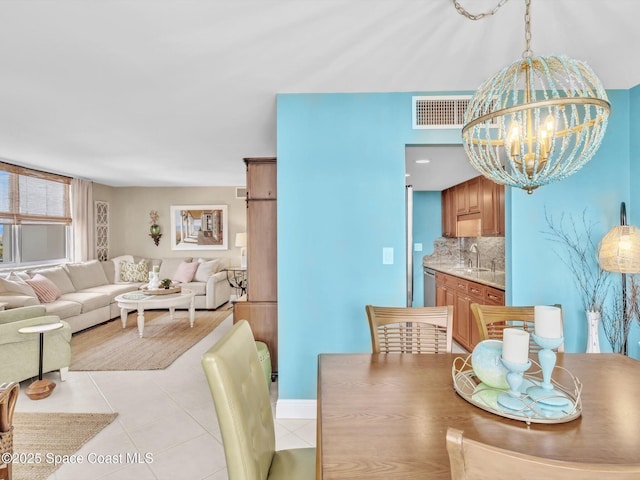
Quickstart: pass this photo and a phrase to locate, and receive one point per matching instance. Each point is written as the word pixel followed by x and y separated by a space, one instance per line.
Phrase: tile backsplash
pixel 455 251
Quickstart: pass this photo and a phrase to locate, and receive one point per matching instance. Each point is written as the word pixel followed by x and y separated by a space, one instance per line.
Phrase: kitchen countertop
pixel 492 279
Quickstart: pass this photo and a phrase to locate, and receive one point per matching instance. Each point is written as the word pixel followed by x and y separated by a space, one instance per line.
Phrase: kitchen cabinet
pixel 445 290
pixel 449 218
pixel 461 293
pixel 478 199
pixel 491 208
pixel 468 196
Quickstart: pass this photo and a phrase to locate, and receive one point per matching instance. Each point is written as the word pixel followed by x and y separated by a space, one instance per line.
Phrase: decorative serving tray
pixel 541 410
pixel 161 291
pixel 135 296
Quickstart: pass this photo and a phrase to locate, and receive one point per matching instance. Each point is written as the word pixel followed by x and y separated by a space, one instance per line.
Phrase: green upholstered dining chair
pixel 472 460
pixel 243 407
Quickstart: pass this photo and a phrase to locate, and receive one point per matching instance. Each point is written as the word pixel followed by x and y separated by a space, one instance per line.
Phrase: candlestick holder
pixel 545 393
pixel 513 399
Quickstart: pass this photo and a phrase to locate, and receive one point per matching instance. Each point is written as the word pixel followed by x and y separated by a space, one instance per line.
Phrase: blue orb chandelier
pixel 538 120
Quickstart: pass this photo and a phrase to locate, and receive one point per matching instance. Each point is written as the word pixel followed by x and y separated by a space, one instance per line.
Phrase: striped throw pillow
pixel 45 289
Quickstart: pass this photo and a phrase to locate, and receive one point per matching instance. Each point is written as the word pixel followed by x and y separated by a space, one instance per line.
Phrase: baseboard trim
pixel 296 409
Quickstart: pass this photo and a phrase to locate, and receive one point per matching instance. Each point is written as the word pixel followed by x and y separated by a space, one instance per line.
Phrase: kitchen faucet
pixel 474 248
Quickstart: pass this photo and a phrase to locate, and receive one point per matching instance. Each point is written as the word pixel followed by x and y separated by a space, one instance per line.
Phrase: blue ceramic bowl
pixel 487 365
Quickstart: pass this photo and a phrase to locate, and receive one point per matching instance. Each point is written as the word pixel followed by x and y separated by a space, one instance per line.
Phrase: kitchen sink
pixel 470 269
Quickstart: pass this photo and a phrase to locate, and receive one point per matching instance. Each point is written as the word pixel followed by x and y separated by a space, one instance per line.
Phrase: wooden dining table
pixel 385 416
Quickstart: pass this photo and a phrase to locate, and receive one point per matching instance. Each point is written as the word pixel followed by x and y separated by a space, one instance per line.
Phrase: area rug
pixel 110 347
pixel 49 436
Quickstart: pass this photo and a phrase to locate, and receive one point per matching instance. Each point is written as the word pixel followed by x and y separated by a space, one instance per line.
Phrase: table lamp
pixel 241 241
pixel 619 252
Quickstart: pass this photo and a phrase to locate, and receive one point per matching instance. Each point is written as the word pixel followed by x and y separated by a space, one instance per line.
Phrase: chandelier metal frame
pixel 538 120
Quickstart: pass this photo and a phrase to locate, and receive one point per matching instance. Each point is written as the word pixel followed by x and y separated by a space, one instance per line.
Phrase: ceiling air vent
pixel 439 111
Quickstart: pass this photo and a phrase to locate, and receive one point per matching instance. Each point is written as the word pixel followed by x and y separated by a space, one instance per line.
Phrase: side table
pixel 237 278
pixel 41 388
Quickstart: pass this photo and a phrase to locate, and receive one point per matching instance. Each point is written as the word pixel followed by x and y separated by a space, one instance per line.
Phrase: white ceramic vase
pixel 593 323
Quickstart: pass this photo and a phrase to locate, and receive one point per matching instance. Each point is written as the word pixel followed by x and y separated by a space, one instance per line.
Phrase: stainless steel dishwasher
pixel 429 287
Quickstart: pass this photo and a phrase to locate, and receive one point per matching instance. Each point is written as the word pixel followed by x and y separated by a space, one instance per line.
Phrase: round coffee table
pixel 140 301
pixel 41 388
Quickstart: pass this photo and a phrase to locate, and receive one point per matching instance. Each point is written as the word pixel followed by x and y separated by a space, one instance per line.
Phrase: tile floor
pixel 166 413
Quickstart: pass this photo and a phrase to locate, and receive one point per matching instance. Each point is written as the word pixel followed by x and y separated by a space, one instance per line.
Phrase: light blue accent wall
pixel 341 201
pixel 536 272
pixel 427 226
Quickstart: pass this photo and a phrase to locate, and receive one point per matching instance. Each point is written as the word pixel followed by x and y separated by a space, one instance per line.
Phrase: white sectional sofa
pixel 83 294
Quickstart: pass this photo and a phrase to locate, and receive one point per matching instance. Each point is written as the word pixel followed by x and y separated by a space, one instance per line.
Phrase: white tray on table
pixel 470 388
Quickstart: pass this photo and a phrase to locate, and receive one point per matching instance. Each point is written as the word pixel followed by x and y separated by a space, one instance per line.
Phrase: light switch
pixel 417 247
pixel 387 256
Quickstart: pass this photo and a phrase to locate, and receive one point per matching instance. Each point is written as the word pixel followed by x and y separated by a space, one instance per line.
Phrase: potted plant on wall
pixel 153 221
pixel 581 259
pixel 154 229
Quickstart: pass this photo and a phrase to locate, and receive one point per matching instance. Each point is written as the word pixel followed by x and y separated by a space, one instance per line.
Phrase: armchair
pixel 19 353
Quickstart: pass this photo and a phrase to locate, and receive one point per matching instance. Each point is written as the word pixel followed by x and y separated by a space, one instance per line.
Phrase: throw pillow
pixel 59 277
pixel 19 275
pixel 116 262
pixel 16 285
pixel 205 270
pixel 169 266
pixel 45 289
pixel 134 272
pixel 185 272
pixel 219 264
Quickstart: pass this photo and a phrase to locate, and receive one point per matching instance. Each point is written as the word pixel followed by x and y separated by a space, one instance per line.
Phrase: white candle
pixel 548 321
pixel 515 345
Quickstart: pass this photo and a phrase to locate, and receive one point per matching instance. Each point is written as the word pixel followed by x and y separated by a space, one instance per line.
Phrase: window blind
pixel 28 196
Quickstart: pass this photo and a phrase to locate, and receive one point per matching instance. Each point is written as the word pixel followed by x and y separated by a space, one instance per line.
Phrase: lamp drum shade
pixel 241 239
pixel 620 250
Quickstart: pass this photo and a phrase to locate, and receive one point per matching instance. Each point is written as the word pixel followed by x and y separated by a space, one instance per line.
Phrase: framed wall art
pixel 199 227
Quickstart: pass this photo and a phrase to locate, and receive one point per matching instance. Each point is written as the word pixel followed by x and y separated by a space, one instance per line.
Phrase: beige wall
pixel 129 218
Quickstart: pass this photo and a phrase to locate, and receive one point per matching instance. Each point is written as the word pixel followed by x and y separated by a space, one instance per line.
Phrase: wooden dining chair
pixel 410 330
pixel 243 407
pixel 472 460
pixel 491 320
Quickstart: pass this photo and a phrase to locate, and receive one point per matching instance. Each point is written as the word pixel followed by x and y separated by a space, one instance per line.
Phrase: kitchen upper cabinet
pixel 462 200
pixel 491 208
pixel 473 195
pixel 449 217
pixel 478 198
pixel 468 197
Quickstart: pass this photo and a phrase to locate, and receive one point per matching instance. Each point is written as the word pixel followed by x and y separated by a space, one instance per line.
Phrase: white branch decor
pixel 580 257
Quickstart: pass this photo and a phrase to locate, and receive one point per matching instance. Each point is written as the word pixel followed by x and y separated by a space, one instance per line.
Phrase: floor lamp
pixel 619 252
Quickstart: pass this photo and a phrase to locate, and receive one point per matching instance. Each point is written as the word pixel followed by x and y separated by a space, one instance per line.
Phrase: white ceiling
pixel 177 92
pixel 448 165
